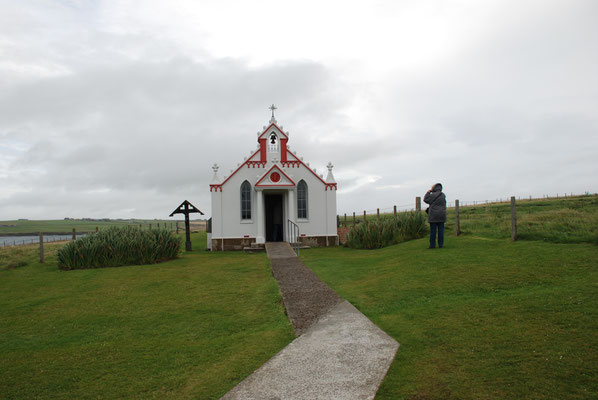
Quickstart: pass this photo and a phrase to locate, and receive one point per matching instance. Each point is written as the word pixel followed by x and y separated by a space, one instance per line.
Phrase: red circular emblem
pixel 275 177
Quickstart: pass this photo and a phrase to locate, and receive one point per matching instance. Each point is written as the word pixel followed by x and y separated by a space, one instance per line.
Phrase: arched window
pixel 273 143
pixel 302 200
pixel 245 200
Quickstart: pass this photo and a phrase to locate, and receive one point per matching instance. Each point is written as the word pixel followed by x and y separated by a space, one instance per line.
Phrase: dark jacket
pixel 437 201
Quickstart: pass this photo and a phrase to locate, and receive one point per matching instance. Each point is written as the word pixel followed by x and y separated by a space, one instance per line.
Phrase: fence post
pixel 345 219
pixel 41 247
pixel 513 219
pixel 394 211
pixel 418 203
pixel 74 234
pixel 177 227
pixel 97 229
pixel 353 218
pixel 458 223
pixel 150 227
pixel 378 214
pixel 364 218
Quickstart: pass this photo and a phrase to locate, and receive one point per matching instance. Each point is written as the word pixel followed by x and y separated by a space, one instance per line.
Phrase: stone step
pixel 253 249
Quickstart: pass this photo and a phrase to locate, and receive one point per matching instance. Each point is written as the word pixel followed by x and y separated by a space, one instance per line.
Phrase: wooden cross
pixel 186 208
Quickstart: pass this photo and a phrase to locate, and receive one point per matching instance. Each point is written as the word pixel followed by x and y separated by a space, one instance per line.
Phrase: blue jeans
pixel 434 226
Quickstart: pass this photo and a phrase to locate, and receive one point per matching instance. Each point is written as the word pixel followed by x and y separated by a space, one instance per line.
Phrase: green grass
pixel 480 319
pixel 563 220
pixel 30 226
pixel 189 328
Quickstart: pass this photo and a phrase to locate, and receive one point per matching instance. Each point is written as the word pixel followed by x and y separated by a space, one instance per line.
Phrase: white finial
pixel 272 120
pixel 215 179
pixel 330 177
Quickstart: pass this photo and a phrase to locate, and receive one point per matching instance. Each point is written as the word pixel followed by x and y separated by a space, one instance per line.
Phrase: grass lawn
pixel 190 328
pixel 31 226
pixel 563 220
pixel 480 319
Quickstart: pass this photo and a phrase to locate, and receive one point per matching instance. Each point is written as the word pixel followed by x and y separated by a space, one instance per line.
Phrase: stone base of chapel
pixel 319 241
pixel 237 244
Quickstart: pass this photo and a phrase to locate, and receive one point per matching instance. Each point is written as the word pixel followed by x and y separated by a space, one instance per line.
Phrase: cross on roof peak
pixel 273 107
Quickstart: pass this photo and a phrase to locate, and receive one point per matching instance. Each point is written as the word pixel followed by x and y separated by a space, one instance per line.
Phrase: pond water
pixel 21 240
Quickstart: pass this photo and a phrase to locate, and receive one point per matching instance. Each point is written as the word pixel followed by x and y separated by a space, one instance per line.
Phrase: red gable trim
pixel 309 169
pixel 240 166
pixel 268 128
pixel 258 183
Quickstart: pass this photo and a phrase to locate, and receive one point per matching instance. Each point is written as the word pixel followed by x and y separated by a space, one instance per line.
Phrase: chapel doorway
pixel 274 218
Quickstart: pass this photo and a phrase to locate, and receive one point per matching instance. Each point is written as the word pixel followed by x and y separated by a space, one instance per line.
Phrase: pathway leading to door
pixel 339 354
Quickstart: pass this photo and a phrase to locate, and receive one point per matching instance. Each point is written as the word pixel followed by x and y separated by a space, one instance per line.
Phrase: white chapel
pixel 272 196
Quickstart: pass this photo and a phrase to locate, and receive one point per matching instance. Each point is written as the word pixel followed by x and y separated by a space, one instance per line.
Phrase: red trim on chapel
pixel 268 128
pixel 258 183
pixel 309 169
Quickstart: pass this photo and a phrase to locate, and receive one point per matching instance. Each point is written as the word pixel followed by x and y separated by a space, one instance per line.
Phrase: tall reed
pixel 117 246
pixel 389 231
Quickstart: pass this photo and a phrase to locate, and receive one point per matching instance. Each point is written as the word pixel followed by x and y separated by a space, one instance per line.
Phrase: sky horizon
pixel 118 109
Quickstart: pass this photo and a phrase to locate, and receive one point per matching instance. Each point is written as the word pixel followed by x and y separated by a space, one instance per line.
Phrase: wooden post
pixel 188 230
pixel 394 211
pixel 41 247
pixel 177 227
pixel 353 218
pixel 97 229
pixel 378 214
pixel 158 226
pixel 364 218
pixel 418 204
pixel 345 219
pixel 150 227
pixel 74 234
pixel 513 219
pixel 458 227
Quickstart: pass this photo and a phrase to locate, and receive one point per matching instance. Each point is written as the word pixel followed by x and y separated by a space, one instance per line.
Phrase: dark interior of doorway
pixel 274 226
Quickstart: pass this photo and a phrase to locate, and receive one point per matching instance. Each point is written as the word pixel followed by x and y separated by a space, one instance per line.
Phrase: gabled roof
pixel 267 181
pixel 267 130
pixel 186 208
pixel 308 168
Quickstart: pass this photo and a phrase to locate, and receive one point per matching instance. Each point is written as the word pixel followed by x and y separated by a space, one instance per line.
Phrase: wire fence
pixel 20 239
pixel 358 216
pixel 562 217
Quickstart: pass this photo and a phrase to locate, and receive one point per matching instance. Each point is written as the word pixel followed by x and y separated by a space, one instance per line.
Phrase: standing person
pixel 436 214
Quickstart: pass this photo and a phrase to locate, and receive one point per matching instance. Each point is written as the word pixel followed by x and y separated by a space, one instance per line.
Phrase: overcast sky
pixel 119 108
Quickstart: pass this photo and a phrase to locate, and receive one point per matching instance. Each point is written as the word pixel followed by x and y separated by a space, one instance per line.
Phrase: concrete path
pixel 306 298
pixel 342 355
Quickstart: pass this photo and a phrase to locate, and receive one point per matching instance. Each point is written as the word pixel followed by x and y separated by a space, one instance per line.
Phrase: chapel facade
pixel 272 196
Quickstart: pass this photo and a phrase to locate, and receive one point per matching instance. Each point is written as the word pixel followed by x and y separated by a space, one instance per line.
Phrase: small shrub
pixel 389 231
pixel 118 246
